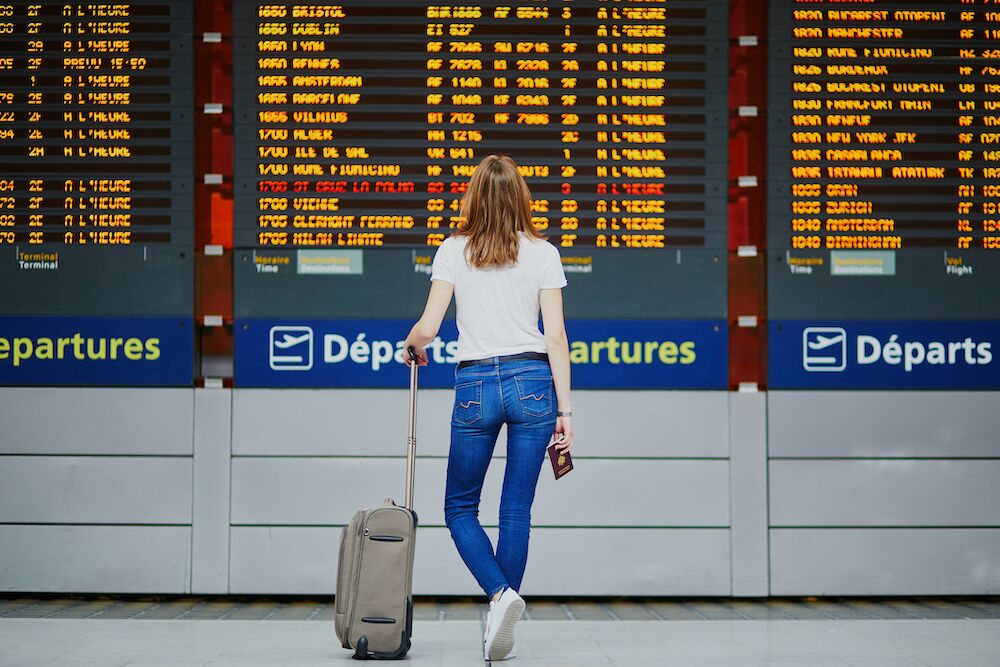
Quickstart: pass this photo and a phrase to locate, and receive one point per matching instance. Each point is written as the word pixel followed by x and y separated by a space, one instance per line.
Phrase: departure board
pixel 96 208
pixel 358 125
pixel 884 164
pixel 96 158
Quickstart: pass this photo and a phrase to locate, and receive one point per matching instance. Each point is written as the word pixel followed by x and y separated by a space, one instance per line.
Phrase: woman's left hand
pixel 563 434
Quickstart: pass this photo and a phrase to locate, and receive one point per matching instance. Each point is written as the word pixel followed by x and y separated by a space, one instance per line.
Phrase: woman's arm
pixel 426 328
pixel 557 345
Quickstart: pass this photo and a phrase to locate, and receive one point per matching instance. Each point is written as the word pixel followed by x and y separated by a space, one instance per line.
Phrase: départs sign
pixel 864 354
pixel 368 353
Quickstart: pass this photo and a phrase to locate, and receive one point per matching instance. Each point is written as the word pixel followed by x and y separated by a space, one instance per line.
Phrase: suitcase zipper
pixel 356 566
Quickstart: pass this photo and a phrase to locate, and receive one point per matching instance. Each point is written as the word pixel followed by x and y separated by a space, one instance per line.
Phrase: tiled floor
pixel 320 609
pixel 176 632
pixel 188 643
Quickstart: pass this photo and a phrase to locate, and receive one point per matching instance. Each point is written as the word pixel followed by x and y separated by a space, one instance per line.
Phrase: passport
pixel 562 462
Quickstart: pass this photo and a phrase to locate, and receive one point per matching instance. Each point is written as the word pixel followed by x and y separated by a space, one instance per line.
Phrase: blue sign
pixel 96 351
pixel 368 353
pixel 863 354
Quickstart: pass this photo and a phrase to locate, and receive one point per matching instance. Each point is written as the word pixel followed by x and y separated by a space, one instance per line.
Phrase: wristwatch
pixel 560 413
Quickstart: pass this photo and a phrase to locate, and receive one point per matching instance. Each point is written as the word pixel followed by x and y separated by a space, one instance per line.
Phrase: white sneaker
pixel 512 654
pixel 513 648
pixel 500 622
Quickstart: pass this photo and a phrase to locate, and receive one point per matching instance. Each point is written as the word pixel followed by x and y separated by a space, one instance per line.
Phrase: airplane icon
pixel 824 349
pixel 291 348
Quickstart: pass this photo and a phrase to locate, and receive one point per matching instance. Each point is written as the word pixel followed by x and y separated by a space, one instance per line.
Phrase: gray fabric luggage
pixel 374 599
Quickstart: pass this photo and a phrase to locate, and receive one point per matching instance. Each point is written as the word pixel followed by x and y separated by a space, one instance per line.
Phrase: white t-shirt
pixel 497 308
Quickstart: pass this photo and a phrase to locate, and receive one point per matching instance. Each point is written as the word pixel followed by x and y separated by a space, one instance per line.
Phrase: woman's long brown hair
pixel 496 206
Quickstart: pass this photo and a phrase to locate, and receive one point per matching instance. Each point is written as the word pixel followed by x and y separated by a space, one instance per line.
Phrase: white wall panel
pixel 624 561
pixel 748 492
pixel 78 420
pixel 884 423
pixel 95 559
pixel 95 489
pixel 561 561
pixel 896 462
pixel 211 494
pixel 651 423
pixel 599 492
pixel 885 561
pixel 885 492
pixel 373 422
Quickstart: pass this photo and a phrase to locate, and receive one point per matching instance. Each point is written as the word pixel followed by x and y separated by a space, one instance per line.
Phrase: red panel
pixel 222 216
pixel 214 132
pixel 739 216
pixel 213 139
pixel 214 277
pixel 748 274
pixel 747 207
pixel 747 355
pixel 217 341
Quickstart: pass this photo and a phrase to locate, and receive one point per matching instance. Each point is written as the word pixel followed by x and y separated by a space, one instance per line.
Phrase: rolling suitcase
pixel 374 599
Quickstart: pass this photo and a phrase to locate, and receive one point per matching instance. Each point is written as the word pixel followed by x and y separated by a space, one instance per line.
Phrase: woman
pixel 501 271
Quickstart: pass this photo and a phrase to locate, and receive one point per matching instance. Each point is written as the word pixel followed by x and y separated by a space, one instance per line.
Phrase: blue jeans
pixel 520 394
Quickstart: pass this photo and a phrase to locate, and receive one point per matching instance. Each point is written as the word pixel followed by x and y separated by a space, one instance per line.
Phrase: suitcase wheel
pixel 361 650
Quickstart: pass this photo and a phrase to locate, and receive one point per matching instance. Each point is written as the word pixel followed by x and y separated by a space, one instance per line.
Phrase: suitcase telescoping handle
pixel 411 438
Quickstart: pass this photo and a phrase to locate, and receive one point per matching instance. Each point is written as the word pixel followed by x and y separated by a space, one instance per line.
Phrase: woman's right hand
pixel 420 353
pixel 564 433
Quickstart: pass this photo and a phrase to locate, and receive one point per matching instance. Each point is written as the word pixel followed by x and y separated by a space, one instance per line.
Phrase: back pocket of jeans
pixel 535 394
pixel 468 402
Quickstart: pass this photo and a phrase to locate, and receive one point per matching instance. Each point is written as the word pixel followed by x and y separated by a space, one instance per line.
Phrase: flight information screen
pixel 885 158
pixel 95 192
pixel 359 124
pixel 884 189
